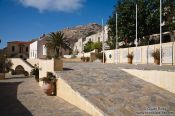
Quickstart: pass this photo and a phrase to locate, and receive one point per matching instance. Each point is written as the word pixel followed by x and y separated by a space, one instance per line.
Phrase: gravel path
pixel 24 97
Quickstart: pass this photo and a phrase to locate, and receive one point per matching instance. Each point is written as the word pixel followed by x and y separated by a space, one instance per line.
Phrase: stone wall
pixel 18 61
pixel 66 92
pixel 161 79
pixel 33 62
pixel 142 54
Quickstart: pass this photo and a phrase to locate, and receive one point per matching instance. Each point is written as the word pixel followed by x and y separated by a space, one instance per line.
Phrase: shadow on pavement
pixel 9 104
pixel 67 69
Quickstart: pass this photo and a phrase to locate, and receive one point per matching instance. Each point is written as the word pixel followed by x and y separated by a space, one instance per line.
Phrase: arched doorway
pixel 19 70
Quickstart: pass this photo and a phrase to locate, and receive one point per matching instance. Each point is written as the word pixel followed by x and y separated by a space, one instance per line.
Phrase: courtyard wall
pixel 142 54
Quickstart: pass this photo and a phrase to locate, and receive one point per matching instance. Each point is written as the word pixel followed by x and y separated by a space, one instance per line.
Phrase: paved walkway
pixel 117 93
pixel 23 97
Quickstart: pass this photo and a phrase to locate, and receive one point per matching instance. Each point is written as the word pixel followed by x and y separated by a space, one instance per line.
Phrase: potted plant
pixel 83 59
pixel 56 42
pixel 156 55
pixel 130 57
pixel 35 72
pixel 49 84
pixel 5 67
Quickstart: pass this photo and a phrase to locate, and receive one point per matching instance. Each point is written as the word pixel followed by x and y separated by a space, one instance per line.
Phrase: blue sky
pixel 24 20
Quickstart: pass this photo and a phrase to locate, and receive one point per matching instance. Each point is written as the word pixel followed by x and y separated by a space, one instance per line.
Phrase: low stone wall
pixel 18 61
pixel 110 56
pixel 87 54
pixel 49 66
pixel 142 54
pixel 65 92
pixel 71 60
pixel 163 79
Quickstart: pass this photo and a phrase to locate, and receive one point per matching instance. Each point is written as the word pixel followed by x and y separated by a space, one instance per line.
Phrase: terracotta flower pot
pixel 48 88
pixel 156 61
pixel 2 76
pixel 129 60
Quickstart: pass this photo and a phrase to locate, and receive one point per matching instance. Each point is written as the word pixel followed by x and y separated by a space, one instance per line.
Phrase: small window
pixel 13 48
pixel 98 39
pixel 27 49
pixel 20 49
pixel 44 50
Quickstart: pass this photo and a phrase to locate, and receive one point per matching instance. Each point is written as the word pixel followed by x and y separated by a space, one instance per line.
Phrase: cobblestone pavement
pixel 116 92
pixel 24 97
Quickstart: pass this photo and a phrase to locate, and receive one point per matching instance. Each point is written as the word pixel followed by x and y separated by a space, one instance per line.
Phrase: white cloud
pixel 53 5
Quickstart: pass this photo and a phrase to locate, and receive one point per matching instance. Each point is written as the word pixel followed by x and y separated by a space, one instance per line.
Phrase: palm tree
pixel 57 42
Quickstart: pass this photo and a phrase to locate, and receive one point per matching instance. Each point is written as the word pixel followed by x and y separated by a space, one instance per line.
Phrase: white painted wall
pixel 142 55
pixel 110 56
pixel 19 61
pixel 38 49
pixel 161 79
pixel 33 50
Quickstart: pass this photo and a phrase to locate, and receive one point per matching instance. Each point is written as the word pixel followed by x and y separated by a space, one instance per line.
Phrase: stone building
pixel 17 49
pixel 98 37
pixel 38 49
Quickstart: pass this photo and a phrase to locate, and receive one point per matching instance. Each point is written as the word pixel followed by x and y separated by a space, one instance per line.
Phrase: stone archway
pixel 19 70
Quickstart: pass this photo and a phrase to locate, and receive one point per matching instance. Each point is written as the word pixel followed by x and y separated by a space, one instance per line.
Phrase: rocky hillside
pixel 74 33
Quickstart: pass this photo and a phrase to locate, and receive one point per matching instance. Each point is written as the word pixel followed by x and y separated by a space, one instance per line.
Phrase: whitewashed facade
pixel 33 50
pixel 98 37
pixel 78 46
pixel 38 49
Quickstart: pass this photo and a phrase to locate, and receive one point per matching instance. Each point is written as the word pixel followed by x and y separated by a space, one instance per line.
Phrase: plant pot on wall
pixel 129 60
pixel 156 55
pixel 58 65
pixel 130 57
pixel 156 61
pixel 49 84
pixel 48 88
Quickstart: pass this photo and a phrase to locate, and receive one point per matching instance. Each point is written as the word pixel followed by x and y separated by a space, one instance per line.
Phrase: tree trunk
pixel 57 53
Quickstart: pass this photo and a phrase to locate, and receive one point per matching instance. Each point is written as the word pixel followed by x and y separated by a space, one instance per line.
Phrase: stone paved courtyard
pixel 113 91
pixel 117 93
pixel 24 97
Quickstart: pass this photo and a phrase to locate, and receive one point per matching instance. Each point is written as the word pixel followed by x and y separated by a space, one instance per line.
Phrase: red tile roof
pixel 20 42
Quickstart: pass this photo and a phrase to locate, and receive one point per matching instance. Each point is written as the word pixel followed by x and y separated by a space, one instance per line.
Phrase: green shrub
pixel 35 72
pixel 100 56
pixel 83 59
pixel 90 46
pixel 13 72
pixel 73 56
pixel 50 78
pixel 87 59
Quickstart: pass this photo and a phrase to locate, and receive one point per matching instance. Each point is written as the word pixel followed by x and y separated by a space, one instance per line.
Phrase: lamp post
pixel 160 32
pixel 136 34
pixel 103 42
pixel 116 32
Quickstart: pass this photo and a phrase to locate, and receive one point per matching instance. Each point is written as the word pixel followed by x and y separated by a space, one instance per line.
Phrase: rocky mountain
pixel 81 31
